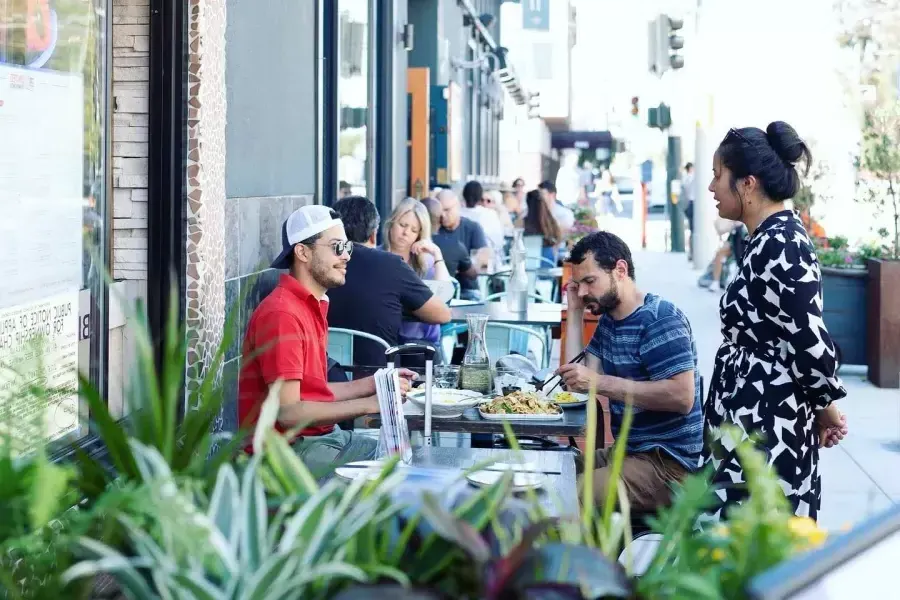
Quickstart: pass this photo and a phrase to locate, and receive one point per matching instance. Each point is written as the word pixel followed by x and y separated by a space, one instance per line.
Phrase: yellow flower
pixel 721 530
pixel 807 530
pixel 718 555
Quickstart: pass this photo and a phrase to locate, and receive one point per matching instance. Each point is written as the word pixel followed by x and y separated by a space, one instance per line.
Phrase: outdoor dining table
pixel 558 496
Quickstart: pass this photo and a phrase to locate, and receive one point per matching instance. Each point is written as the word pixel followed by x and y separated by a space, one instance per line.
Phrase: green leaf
pixel 268 416
pixel 197 587
pixel 581 566
pixel 254 526
pixel 110 561
pixel 49 485
pixel 284 463
pixel 224 504
pixel 453 529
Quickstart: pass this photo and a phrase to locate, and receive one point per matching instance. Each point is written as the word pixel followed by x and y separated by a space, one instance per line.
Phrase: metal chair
pixel 499 338
pixel 340 344
pixel 534 258
pixel 518 340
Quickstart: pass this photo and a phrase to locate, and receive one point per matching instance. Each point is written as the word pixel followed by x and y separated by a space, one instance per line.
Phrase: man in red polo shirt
pixel 287 339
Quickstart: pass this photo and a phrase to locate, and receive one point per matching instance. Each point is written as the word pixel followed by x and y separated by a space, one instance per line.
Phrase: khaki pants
pixel 647 477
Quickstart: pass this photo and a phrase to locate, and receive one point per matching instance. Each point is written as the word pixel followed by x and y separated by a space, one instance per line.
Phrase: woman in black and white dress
pixel 776 370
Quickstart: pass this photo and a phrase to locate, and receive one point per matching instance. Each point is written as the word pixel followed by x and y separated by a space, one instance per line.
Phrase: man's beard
pixel 324 275
pixel 605 303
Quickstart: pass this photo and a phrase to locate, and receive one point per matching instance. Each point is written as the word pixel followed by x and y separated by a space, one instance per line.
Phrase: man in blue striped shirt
pixel 642 353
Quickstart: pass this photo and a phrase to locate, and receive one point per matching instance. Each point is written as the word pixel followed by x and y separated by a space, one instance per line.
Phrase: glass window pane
pixel 353 96
pixel 52 198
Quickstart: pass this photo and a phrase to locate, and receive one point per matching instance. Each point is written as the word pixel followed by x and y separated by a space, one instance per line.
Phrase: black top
pixel 457 245
pixel 380 287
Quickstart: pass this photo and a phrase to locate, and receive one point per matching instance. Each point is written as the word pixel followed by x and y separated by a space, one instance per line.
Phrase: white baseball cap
pixel 303 223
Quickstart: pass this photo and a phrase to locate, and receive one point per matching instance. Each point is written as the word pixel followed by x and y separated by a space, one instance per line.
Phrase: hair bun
pixel 785 142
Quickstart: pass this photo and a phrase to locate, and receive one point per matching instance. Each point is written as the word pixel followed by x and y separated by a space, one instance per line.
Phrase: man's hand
pixel 832 426
pixel 573 302
pixel 577 378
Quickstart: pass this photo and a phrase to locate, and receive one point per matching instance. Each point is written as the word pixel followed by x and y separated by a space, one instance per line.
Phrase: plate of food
pixel 520 406
pixel 445 403
pixel 569 399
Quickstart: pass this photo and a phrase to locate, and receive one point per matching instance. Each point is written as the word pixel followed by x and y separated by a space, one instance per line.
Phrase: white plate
pixel 445 397
pixel 446 404
pixel 521 481
pixel 582 400
pixel 518 417
pixel 370 469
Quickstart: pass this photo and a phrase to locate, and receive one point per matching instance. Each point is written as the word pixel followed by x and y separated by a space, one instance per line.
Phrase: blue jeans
pixel 322 454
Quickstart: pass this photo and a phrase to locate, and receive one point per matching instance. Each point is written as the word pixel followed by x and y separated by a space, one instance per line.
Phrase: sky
pixel 746 63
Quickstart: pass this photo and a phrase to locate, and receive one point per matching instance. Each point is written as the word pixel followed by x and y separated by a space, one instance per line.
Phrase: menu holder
pixel 394 437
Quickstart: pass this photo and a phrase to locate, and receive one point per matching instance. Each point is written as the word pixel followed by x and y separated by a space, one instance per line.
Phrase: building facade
pixel 541 35
pixel 154 147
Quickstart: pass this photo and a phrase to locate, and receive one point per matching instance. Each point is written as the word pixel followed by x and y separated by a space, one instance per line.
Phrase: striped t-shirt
pixel 653 343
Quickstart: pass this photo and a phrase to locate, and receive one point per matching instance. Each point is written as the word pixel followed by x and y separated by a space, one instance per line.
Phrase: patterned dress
pixel 776 367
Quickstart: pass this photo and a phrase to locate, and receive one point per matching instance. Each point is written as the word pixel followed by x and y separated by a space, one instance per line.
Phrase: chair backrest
pixel 500 339
pixel 504 275
pixel 500 295
pixel 340 344
pixel 534 247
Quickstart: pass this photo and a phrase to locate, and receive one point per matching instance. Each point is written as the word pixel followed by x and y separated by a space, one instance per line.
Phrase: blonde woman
pixel 407 233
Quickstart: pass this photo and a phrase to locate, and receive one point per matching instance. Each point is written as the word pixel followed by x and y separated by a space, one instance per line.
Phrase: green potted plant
pixel 880 183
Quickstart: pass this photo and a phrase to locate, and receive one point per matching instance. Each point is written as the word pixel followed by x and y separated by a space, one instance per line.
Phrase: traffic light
pixel 659 117
pixel 664 44
pixel 676 42
pixel 635 109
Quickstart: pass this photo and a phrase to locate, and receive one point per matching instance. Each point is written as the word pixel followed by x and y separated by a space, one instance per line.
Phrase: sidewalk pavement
pixel 861 476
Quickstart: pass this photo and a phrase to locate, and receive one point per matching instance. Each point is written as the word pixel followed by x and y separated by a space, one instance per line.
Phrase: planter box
pixel 846 312
pixel 884 322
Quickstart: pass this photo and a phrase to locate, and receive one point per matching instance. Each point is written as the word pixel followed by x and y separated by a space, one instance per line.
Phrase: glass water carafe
pixel 475 373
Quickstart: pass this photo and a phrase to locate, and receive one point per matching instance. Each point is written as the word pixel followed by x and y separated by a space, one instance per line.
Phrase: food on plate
pixel 520 403
pixel 565 398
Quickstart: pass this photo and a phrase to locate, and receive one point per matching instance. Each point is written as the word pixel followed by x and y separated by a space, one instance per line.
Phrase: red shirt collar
pixel 290 284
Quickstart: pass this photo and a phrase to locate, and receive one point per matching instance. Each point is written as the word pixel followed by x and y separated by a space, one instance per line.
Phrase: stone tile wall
pixel 253 240
pixel 205 277
pixel 130 108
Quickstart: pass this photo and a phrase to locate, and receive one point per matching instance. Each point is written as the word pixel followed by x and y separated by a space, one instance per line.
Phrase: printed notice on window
pixel 38 377
pixel 41 184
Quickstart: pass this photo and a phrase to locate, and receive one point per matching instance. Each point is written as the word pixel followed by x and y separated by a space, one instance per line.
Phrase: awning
pixel 504 70
pixel 581 140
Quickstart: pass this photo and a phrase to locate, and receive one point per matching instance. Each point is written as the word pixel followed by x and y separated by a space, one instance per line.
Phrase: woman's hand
pixel 832 426
pixel 428 247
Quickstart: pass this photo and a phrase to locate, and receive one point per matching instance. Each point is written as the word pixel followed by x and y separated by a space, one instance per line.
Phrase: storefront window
pixel 353 97
pixel 53 80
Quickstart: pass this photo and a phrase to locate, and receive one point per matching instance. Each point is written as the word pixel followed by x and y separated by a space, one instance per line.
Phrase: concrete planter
pixel 845 312
pixel 884 322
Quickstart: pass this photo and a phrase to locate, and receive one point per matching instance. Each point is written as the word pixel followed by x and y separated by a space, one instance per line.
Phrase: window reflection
pixel 353 96
pixel 52 141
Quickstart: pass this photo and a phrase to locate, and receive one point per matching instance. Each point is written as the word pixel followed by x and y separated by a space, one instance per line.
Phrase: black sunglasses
pixel 338 247
pixel 734 132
